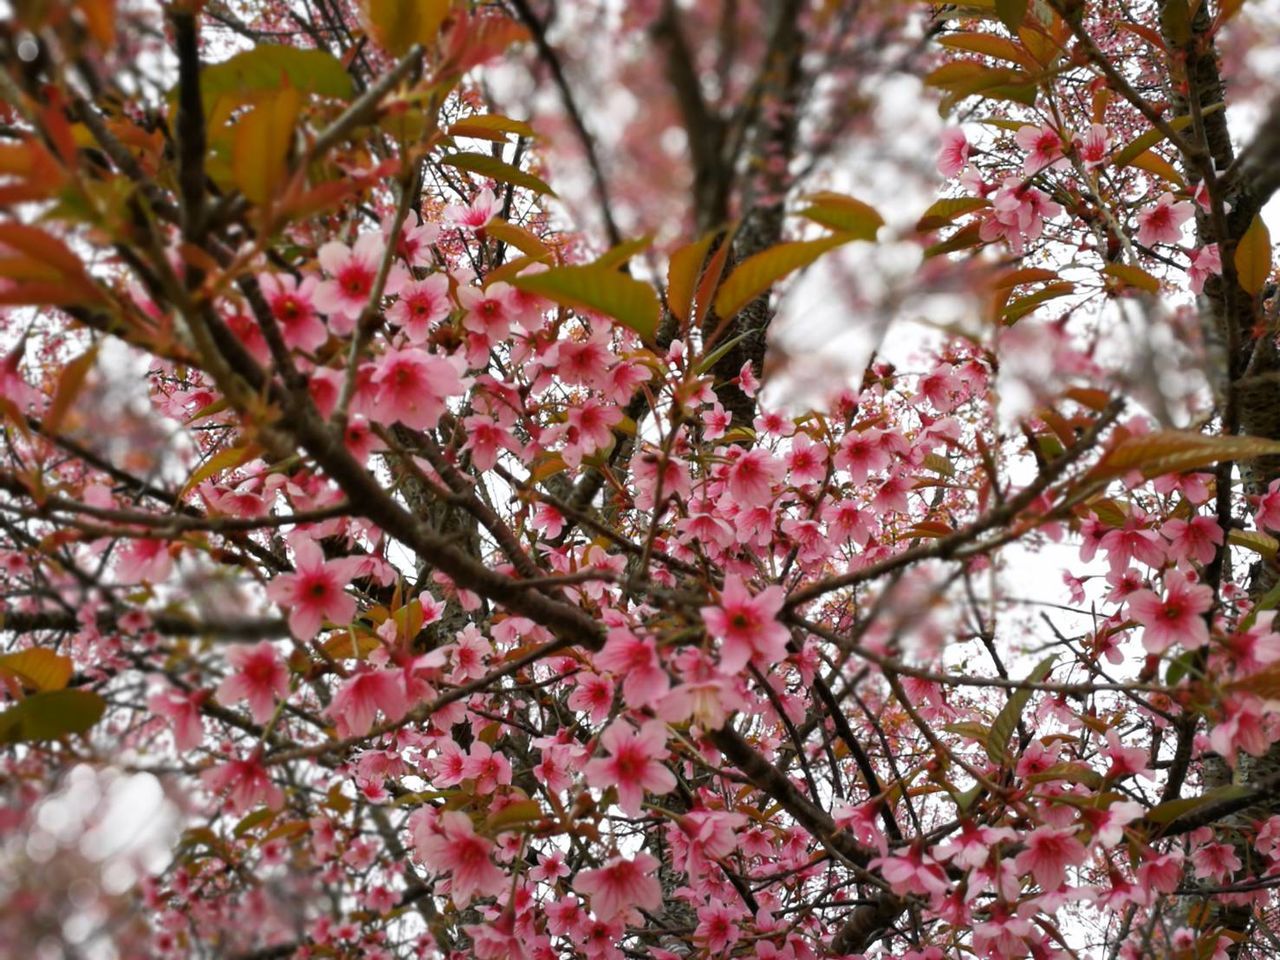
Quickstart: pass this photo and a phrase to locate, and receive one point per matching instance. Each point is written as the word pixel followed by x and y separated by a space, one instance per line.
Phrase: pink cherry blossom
pixel 452 846
pixel 475 215
pixel 747 626
pixel 751 477
pixel 412 386
pixel 316 591
pixel 144 561
pixel 362 695
pixel 1043 146
pixel 1094 146
pixel 621 885
pixel 632 766
pixel 909 871
pixel 635 660
pixel 244 784
pixel 1163 222
pixel 420 304
pixel 182 710
pixel 352 272
pixel 258 676
pixel 953 154
pixel 1206 262
pixel 1177 617
pixel 293 305
pixel 1050 851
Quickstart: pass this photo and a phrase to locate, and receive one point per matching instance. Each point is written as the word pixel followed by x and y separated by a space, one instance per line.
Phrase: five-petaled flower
pixel 621 885
pixel 316 591
pixel 747 626
pixel 634 764
pixel 258 676
pixel 1177 617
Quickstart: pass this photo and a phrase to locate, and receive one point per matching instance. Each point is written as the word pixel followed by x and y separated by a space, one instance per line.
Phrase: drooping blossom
pixel 911 870
pixel 1206 262
pixel 1017 214
pixel 1163 222
pixel 747 626
pixel 182 709
pixel 258 676
pixel 144 561
pixel 751 477
pixel 633 764
pixel 316 591
pixel 621 885
pixel 953 152
pixel 1094 146
pixel 243 784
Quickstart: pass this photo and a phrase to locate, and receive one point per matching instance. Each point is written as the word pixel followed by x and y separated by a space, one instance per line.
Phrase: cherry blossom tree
pixel 406 473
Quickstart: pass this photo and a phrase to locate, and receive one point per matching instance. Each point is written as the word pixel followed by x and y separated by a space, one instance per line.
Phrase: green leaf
pixel 399 24
pixel 1131 276
pixel 260 71
pixel 963 239
pixel 38 668
pixel 1006 721
pixel 50 715
pixel 1171 810
pixel 756 274
pixel 942 212
pixel 514 814
pixel 1015 310
pixel 490 126
pixel 605 290
pixel 843 214
pixel 1180 667
pixel 495 169
pixel 260 144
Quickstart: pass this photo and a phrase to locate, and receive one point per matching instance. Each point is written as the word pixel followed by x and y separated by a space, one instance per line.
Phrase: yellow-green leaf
pixel 1253 257
pixel 942 212
pixel 1176 451
pixel 38 668
pixel 70 383
pixel 518 237
pixel 496 169
pixel 514 814
pixel 220 462
pixel 756 274
pixel 490 126
pixel 260 70
pixel 1171 810
pixel 1011 13
pixel 602 289
pixel 50 715
pixel 1131 276
pixel 987 44
pixel 1006 721
pixel 682 275
pixel 844 214
pixel 260 144
pixel 1255 540
pixel 399 24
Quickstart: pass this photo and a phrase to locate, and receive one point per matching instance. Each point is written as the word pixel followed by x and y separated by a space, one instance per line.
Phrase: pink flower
pixel 1267 516
pixel 746 626
pixel 1246 726
pixel 1163 222
pixel 182 710
pixel 412 386
pixel 592 694
pixel 1094 146
pixel 1044 148
pixel 1017 214
pixel 452 846
pixel 1049 852
pixel 419 304
pixel 482 209
pixel 1216 860
pixel 245 783
pixel 953 154
pixel 621 885
pixel 294 308
pixel 752 475
pixel 362 695
pixel 144 561
pixel 316 591
pixel 353 271
pixel 1175 618
pixel 1196 539
pixel 633 765
pixel 807 461
pixel 489 770
pixel 259 677
pixel 635 660
pixel 909 871
pixel 719 926
pixel 1205 262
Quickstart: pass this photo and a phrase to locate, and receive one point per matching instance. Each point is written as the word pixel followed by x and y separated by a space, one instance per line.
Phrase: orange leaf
pixel 1253 257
